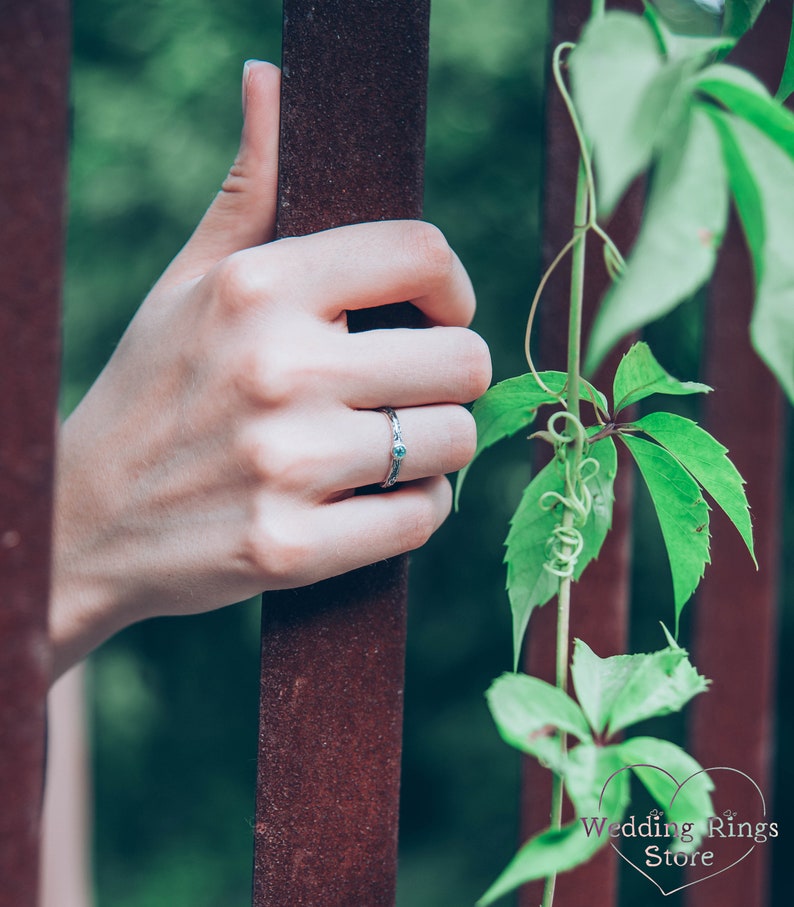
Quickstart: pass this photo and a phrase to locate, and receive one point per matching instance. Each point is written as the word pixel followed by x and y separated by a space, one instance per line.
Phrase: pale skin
pixel 218 453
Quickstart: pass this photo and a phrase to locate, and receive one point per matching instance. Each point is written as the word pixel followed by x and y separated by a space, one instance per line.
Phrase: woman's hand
pixel 218 453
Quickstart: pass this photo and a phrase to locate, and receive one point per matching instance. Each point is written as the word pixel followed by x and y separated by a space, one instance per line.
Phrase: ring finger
pixel 437 439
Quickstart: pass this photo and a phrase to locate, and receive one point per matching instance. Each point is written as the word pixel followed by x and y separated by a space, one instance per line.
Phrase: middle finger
pixel 412 367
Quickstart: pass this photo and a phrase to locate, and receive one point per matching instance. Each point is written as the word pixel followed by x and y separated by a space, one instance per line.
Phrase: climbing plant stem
pixel 563 633
pixel 585 220
pixel 584 215
pixel 577 292
pixel 564 591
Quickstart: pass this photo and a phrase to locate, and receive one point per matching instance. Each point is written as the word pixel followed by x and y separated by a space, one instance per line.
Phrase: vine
pixel 643 98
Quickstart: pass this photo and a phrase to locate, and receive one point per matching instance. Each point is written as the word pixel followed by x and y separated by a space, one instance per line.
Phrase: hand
pixel 218 453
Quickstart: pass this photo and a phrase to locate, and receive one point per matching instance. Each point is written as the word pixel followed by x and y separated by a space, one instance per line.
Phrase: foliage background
pixel 156 118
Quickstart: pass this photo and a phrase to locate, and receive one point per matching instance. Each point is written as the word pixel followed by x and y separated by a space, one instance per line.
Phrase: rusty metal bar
pixel 599 612
pixel 34 64
pixel 352 149
pixel 736 610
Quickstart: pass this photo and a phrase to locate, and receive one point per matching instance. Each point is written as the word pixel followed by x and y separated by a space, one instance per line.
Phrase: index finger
pixel 361 266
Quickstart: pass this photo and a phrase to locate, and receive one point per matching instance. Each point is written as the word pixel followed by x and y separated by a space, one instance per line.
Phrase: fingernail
pixel 246 77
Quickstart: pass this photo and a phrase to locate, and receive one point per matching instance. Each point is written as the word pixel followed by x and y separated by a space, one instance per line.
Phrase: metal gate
pixel 380 47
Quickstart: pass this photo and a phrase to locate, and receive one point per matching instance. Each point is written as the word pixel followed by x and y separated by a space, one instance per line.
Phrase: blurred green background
pixel 156 118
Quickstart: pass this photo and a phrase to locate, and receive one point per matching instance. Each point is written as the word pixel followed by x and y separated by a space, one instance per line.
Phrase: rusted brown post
pixel 34 65
pixel 352 149
pixel 599 612
pixel 736 612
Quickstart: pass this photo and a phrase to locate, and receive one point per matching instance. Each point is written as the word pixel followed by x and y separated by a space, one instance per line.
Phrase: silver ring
pixel 398 448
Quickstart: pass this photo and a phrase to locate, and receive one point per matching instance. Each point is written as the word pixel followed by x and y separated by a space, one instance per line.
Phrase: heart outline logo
pixel 679 786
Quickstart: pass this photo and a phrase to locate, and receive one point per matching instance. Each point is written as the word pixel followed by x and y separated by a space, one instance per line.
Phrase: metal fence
pixel 342 745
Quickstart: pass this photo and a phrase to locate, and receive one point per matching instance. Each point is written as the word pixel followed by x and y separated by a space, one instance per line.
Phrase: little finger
pixel 364 529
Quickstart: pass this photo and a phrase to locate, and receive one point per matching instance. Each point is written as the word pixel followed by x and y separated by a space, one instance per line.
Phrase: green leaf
pixel 556 851
pixel 529 583
pixel 588 768
pixel 601 487
pixel 684 22
pixel 748 98
pixel 659 683
pixel 762 182
pixel 639 375
pixel 621 690
pixel 745 190
pixel 676 16
pixel 787 79
pixel 512 405
pixel 612 67
pixel 660 30
pixel 740 15
pixel 700 49
pixel 548 852
pixel 630 97
pixel 675 251
pixel 705 458
pixel 688 803
pixel 529 712
pixel 597 682
pixel 682 512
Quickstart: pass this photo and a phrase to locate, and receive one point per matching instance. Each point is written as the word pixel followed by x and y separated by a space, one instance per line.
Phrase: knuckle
pixel 277 372
pixel 236 284
pixel 429 250
pixel 235 180
pixel 263 377
pixel 277 556
pixel 265 458
pixel 277 459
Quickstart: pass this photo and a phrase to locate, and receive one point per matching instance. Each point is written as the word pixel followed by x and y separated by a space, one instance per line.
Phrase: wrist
pixel 84 606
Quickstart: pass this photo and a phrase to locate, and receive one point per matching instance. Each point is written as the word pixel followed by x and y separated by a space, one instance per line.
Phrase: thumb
pixel 243 213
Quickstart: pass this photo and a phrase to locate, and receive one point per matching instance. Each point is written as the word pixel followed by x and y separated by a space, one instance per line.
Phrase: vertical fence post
pixel 34 62
pixel 352 149
pixel 736 610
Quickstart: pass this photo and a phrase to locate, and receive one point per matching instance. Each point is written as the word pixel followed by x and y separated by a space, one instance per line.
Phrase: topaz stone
pixel 399 451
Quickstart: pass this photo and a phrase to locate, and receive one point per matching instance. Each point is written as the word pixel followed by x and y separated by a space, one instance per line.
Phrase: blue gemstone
pixel 398 451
